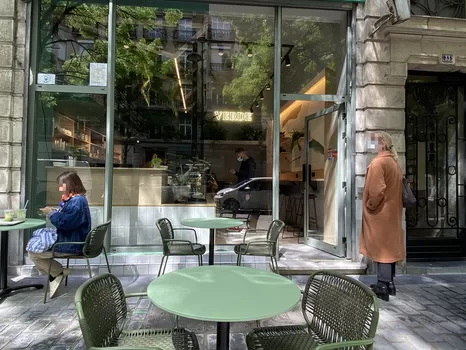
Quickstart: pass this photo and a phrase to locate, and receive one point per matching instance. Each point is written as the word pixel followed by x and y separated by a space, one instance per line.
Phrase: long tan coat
pixel 382 237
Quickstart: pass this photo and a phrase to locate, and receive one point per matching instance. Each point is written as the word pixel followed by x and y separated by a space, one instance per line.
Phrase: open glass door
pixel 323 174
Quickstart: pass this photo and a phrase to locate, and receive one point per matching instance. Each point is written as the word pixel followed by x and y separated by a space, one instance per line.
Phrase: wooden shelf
pixel 68 132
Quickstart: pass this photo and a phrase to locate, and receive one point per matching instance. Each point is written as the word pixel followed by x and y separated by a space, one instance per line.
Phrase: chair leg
pixel 67 266
pixel 106 259
pixel 165 266
pixel 161 264
pixel 276 264
pixel 239 260
pixel 200 261
pixel 89 268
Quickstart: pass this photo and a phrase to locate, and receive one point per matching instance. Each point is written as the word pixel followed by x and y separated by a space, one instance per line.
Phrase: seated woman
pixel 72 221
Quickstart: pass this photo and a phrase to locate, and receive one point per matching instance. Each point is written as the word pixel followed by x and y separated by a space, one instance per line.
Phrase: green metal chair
pixel 92 247
pixel 340 312
pixel 267 247
pixel 103 315
pixel 177 247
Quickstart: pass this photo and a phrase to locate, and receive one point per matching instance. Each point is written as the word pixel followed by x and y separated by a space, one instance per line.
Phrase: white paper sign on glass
pixel 45 78
pixel 98 74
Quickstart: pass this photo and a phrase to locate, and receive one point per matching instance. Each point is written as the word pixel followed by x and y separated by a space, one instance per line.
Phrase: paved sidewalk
pixel 429 312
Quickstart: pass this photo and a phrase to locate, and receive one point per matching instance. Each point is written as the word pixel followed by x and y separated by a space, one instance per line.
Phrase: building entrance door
pixel 435 155
pixel 324 158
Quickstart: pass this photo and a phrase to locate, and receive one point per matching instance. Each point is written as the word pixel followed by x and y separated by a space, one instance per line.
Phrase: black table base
pixel 4 289
pixel 211 246
pixel 223 335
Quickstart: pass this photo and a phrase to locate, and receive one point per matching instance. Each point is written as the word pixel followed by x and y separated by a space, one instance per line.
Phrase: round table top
pixel 223 293
pixel 29 223
pixel 211 222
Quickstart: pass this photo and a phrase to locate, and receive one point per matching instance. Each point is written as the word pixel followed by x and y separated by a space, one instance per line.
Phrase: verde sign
pixel 227 116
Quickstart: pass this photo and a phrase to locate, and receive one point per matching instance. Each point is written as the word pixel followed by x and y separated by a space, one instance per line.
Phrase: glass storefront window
pixel 313 56
pixel 193 113
pixel 313 50
pixel 69 135
pixel 186 99
pixel 72 42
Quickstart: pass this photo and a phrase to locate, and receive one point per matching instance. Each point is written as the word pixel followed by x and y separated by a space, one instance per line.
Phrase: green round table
pixel 4 230
pixel 223 294
pixel 212 224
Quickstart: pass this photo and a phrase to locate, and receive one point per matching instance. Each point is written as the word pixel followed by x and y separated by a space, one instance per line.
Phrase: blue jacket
pixel 73 223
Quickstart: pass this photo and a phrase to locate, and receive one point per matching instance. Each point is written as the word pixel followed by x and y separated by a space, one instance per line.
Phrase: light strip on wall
pixel 179 83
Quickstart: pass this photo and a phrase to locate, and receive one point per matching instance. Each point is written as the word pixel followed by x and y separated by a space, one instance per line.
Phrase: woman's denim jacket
pixel 73 223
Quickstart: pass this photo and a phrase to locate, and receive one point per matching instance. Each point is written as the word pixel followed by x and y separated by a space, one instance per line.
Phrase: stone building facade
pixel 382 64
pixel 13 63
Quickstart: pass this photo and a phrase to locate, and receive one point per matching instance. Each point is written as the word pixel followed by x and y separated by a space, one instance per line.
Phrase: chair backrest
pixel 95 240
pixel 275 229
pixel 339 308
pixel 166 231
pixel 101 307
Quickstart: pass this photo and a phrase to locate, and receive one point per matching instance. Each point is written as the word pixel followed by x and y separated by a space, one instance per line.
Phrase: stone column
pixel 12 59
pixel 380 95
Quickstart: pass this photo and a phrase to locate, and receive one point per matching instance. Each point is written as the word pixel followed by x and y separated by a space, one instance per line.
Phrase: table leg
pixel 211 246
pixel 4 289
pixel 223 335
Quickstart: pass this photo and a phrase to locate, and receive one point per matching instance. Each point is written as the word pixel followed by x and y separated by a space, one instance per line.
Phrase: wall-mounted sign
pixel 44 78
pixel 227 116
pixel 98 74
pixel 448 58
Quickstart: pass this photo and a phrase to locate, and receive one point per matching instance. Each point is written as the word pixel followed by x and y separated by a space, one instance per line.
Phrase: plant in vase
pixel 73 153
pixel 156 161
pixel 315 145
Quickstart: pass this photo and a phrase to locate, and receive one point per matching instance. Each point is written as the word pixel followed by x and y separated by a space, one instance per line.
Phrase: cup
pixel 21 214
pixel 8 215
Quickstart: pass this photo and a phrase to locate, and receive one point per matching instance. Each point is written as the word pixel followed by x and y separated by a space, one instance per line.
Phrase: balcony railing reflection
pixel 221 34
pixel 439 8
pixel 184 34
pixel 157 33
pixel 221 67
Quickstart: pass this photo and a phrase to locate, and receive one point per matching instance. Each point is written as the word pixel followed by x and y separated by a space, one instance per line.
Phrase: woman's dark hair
pixel 72 181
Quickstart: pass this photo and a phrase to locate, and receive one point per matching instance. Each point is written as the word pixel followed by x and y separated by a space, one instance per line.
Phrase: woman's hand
pixel 46 210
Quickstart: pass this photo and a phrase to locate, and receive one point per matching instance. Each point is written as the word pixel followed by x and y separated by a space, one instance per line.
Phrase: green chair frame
pixel 177 247
pixel 92 247
pixel 267 247
pixel 340 313
pixel 103 316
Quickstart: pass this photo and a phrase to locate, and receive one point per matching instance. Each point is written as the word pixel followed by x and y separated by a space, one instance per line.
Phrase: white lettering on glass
pixel 227 116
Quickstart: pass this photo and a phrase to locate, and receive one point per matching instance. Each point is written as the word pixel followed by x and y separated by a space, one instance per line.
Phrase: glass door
pixel 323 174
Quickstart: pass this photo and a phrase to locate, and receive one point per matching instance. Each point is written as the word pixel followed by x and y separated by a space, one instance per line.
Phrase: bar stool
pixel 313 219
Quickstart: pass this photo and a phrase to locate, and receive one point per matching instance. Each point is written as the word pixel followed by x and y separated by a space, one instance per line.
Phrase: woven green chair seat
pixel 282 338
pixel 185 249
pixel 340 313
pixel 157 339
pixel 258 250
pixel 103 314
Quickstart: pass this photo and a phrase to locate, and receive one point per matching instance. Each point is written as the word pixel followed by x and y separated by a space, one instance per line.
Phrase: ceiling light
pixel 287 61
pixel 249 52
pixel 257 104
pixel 268 87
pixel 261 95
pixel 220 50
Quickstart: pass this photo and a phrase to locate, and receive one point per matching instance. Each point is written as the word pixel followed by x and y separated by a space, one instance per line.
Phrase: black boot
pixel 390 286
pixel 381 290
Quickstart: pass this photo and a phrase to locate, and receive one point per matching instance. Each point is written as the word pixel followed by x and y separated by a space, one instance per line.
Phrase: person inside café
pixel 247 168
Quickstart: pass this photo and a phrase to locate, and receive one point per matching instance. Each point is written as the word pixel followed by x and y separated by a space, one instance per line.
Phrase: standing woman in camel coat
pixel 382 237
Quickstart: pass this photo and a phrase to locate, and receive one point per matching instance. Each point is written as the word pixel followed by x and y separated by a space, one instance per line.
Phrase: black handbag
pixel 408 196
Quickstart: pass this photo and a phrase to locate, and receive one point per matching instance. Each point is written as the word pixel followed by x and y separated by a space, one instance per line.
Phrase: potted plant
pixel 156 161
pixel 295 137
pixel 73 153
